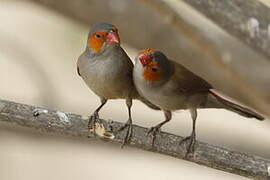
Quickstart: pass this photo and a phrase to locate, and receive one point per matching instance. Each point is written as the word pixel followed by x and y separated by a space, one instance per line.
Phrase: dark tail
pixel 215 101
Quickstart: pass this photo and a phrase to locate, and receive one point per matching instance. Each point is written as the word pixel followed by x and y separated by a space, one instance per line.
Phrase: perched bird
pixel 171 87
pixel 107 70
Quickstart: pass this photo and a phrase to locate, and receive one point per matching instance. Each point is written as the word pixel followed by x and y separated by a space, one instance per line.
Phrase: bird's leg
pixel 192 137
pixel 156 129
pixel 95 117
pixel 128 124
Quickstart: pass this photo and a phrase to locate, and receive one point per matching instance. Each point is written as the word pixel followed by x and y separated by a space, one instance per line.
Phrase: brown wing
pixel 187 80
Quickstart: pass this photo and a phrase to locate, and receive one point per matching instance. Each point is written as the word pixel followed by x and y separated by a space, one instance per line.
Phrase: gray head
pixel 155 65
pixel 101 37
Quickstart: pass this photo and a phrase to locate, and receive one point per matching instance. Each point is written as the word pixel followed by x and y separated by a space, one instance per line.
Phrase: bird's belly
pixel 165 101
pixel 109 85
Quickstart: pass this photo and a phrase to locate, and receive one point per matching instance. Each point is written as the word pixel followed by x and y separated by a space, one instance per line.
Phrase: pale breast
pixel 107 78
pixel 163 99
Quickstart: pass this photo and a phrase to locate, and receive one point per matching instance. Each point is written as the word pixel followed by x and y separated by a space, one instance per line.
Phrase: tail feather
pixel 215 101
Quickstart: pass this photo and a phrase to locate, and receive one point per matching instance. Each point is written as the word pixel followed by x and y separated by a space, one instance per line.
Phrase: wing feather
pixel 188 81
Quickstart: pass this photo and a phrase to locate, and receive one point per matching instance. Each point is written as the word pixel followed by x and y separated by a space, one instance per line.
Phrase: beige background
pixel 38 53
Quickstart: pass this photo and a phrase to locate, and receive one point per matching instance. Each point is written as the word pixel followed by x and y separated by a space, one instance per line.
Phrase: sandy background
pixel 38 54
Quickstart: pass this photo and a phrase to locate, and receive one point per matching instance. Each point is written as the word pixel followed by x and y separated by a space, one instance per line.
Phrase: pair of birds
pixel 155 80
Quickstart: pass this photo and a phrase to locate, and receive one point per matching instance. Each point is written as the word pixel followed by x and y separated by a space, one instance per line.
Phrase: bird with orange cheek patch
pixel 107 70
pixel 171 87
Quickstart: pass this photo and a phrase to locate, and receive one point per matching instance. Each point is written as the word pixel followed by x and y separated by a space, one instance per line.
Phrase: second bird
pixel 171 86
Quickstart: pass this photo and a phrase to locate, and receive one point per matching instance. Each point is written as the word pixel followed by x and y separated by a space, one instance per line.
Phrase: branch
pixel 71 124
pixel 247 20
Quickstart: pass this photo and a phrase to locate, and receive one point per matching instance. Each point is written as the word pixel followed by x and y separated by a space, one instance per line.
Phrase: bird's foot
pixel 153 131
pixel 129 132
pixel 94 118
pixel 191 140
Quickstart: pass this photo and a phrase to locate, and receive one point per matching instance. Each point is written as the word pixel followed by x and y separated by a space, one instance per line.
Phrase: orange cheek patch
pixel 150 75
pixel 95 44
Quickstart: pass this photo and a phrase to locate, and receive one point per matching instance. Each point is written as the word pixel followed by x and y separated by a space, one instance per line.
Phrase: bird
pixel 107 70
pixel 171 86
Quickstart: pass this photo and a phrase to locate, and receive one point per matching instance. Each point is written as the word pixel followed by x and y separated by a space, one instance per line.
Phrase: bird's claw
pixel 129 132
pixel 153 130
pixel 191 145
pixel 92 121
pixel 128 136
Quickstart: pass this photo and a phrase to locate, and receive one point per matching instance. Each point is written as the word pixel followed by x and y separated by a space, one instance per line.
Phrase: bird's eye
pixel 98 36
pixel 154 69
pixel 113 30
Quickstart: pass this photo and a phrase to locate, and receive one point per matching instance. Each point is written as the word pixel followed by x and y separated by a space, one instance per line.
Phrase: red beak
pixel 145 59
pixel 113 37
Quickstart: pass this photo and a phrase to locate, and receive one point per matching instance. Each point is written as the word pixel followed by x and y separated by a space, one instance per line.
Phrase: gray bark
pixel 73 125
pixel 235 15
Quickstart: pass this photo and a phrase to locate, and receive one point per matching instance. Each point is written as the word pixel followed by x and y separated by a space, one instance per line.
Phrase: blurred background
pixel 39 48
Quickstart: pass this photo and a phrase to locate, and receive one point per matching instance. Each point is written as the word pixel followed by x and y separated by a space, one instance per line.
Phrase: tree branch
pixel 71 124
pixel 247 20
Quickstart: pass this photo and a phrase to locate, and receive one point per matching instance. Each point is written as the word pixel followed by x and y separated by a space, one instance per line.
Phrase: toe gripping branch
pixel 128 136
